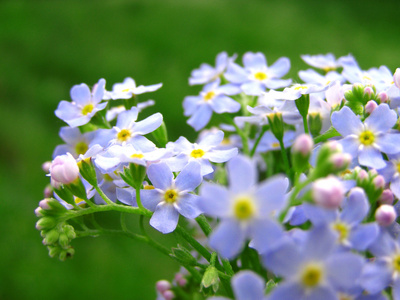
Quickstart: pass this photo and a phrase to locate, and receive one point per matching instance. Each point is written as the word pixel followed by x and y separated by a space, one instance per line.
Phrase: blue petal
pixel 371 157
pixel 344 269
pixel 389 143
pixel 376 277
pixel 127 118
pixel 165 218
pixel 220 156
pixel 160 176
pixel 212 139
pixel 271 195
pixel 320 242
pixel 346 122
pixel 254 60
pixel 221 104
pixel 201 117
pixel 247 285
pixel 362 236
pixel 80 94
pixel 151 198
pixel 228 238
pixel 149 124
pixel 356 207
pixel 242 174
pixel 266 234
pixel 189 178
pixel 287 291
pixel 208 193
pixel 187 206
pixel 382 119
pixel 280 67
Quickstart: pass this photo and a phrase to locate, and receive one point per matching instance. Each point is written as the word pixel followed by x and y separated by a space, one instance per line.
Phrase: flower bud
pixel 48 191
pixel 379 182
pixel 328 192
pixel 396 78
pixel 46 223
pixel 51 237
pixel 341 160
pixel 210 278
pixel 162 286
pixel 303 144
pixel 64 169
pixel 383 97
pixel 386 197
pixel 370 106
pixel 46 167
pixel 362 175
pixel 168 295
pixel 368 91
pixel 385 215
pixel 180 280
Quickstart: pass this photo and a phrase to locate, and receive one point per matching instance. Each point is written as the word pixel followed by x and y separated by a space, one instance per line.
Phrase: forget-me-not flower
pixel 128 89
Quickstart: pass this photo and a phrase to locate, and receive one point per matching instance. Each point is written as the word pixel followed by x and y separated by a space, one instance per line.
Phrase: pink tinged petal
pixel 381 119
pixel 80 94
pixel 248 285
pixel 201 117
pixel 389 143
pixel 149 124
pixel 215 200
pixel 270 195
pixel 165 218
pixel 160 176
pixel 220 156
pixel 371 157
pixel 212 139
pixel 242 174
pixel 98 91
pixel 334 94
pixel 254 60
pixel 127 118
pixel 228 238
pixel 279 68
pixel 344 269
pixel 189 178
pixel 151 198
pixel 222 104
pixel 187 206
pixel 346 122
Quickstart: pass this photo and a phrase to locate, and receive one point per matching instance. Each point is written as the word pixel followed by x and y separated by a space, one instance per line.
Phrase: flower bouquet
pixel 289 192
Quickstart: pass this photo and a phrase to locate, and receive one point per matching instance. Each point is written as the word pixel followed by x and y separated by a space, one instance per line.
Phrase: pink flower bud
pixel 383 96
pixel 370 106
pixel 168 295
pixel 341 160
pixel 362 175
pixel 328 192
pixel 373 172
pixel 44 204
pixel 46 167
pixel 48 192
pixel 64 169
pixel 396 78
pixel 303 144
pixel 386 197
pixel 39 212
pixel 162 286
pixel 180 280
pixel 385 215
pixel 334 146
pixel 379 182
pixel 368 90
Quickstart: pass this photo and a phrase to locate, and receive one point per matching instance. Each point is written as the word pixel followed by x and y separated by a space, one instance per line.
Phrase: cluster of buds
pixel 56 234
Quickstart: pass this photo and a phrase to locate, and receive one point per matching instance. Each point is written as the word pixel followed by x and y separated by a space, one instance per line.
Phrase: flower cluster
pixel 291 193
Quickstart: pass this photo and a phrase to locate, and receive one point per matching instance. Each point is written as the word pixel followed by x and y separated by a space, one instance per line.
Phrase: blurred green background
pixel 48 46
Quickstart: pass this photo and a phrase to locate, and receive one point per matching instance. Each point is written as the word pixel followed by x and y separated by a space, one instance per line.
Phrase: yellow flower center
pixel 260 76
pixel 87 109
pixel 197 153
pixel 124 135
pixel 81 201
pixel 398 167
pixel 107 177
pixel 396 262
pixel 300 87
pixel 209 96
pixel 81 148
pixel 275 145
pixel 312 275
pixel 244 208
pixel 137 155
pixel 328 69
pixel 170 196
pixel 367 138
pixel 148 187
pixel 342 229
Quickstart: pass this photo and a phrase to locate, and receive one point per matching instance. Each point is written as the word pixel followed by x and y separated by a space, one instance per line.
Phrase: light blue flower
pixel 213 98
pixel 326 62
pixel 84 105
pixel 128 89
pixel 207 73
pixel 312 268
pixel 368 140
pixel 391 173
pixel 246 209
pixel 76 143
pixel 256 76
pixel 171 197
pixel 207 150
pixel 127 130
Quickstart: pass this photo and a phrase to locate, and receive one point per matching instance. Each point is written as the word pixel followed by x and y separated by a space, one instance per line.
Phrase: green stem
pixel 103 196
pixel 253 150
pixel 205 227
pixel 285 158
pixel 305 122
pixel 242 135
pixel 193 242
pixel 138 200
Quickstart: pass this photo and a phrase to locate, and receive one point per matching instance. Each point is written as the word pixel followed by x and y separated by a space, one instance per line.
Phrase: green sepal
pixel 330 133
pixel 302 104
pixel 46 223
pixel 315 123
pixel 63 240
pixel 65 194
pixel 138 174
pixel 276 124
pixel 54 208
pixel 51 236
pixel 270 286
pixel 127 177
pixel 210 279
pixel 183 255
pixel 87 170
pixel 161 135
pixel 77 188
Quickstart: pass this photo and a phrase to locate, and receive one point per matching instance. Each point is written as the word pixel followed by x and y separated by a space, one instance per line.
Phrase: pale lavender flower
pixel 171 197
pixel 85 104
pixel 128 89
pixel 368 140
pixel 76 143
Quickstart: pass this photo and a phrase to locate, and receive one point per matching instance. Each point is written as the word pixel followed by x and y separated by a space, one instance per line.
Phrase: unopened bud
pixel 162 286
pixel 334 146
pixel 386 197
pixel 370 106
pixel 362 175
pixel 64 169
pixel 328 192
pixel 379 182
pixel 368 91
pixel 48 192
pixel 46 167
pixel 180 280
pixel 168 295
pixel 341 160
pixel 385 215
pixel 383 97
pixel 303 144
pixel 46 223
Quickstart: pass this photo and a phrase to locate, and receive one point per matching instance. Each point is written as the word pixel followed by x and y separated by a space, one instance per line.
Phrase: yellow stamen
pixel 342 229
pixel 396 262
pixel 260 76
pixel 367 138
pixel 148 187
pixel 87 109
pixel 197 153
pixel 209 96
pixel 137 155
pixel 170 196
pixel 328 69
pixel 312 275
pixel 81 148
pixel 244 208
pixel 124 135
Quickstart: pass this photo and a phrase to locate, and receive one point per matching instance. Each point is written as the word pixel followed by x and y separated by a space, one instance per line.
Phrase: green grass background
pixel 48 46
